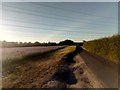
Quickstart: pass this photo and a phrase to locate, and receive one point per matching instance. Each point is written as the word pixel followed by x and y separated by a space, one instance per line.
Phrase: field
pixel 56 67
pixel 61 45
pixel 20 52
pixel 12 56
pixel 106 47
pixel 56 70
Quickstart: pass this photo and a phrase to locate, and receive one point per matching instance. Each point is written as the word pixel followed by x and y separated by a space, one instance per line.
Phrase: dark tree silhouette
pixel 67 42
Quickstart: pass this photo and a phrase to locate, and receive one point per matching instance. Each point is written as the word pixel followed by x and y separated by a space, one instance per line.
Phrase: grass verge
pixel 35 73
pixel 106 47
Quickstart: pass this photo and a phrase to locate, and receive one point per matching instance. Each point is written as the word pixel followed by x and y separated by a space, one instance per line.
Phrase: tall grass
pixel 107 47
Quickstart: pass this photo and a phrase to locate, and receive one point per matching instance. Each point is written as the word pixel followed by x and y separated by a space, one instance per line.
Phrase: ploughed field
pixel 20 52
pixel 61 67
pixel 57 67
pixel 11 57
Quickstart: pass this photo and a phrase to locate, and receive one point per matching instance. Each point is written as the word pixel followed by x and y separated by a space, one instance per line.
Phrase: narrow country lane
pixel 106 72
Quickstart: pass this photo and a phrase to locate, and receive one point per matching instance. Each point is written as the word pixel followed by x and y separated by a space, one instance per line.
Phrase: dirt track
pixel 105 71
pixel 65 68
pixel 36 72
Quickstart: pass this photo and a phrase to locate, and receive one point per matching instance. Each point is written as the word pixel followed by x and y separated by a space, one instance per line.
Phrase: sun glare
pixel 6 34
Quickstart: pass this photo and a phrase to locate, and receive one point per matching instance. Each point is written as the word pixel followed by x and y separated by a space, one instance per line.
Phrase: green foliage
pixel 107 47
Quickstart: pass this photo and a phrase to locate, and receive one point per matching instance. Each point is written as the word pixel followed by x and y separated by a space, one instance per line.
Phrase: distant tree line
pixel 29 44
pixel 108 47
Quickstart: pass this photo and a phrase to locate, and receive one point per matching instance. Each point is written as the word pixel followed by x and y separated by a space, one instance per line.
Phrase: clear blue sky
pixel 45 22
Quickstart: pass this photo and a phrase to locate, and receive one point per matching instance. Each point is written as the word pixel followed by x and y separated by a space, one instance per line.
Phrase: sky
pixel 56 21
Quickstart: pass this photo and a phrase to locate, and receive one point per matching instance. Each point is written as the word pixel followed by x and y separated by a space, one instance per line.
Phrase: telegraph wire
pixel 58 18
pixel 55 15
pixel 84 13
pixel 70 31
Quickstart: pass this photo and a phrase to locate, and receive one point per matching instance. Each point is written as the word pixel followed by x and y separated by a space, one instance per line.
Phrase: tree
pixel 66 42
pixel 36 43
pixel 52 44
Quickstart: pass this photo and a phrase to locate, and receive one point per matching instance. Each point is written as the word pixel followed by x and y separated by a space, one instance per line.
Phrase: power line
pixel 68 31
pixel 84 13
pixel 55 15
pixel 42 23
pixel 38 28
pixel 28 13
pixel 49 25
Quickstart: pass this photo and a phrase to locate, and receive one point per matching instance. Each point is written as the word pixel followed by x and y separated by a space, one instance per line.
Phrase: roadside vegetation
pixel 6 44
pixel 107 47
pixel 34 73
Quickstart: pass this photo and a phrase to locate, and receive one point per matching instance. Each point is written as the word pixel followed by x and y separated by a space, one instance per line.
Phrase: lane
pixel 106 71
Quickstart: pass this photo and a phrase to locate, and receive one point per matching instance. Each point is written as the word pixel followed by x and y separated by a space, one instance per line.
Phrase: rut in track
pixel 73 73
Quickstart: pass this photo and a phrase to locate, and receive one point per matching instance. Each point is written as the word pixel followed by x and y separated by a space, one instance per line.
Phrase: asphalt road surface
pixel 105 71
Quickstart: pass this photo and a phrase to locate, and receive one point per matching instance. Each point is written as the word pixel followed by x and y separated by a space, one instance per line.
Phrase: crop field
pixel 55 67
pixel 105 47
pixel 11 57
pixel 19 52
